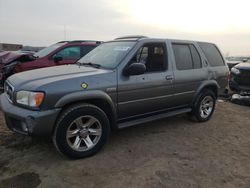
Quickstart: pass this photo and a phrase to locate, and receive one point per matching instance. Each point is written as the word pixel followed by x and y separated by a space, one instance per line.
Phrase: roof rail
pixel 137 37
pixel 63 41
pixel 73 41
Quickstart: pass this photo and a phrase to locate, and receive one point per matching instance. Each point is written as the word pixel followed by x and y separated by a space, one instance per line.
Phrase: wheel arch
pixel 210 85
pixel 97 98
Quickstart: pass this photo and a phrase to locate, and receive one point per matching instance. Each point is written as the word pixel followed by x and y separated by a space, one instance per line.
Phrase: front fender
pixel 88 95
pixel 83 95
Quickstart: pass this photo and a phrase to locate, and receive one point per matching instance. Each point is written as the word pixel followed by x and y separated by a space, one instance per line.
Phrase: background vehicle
pixel 239 79
pixel 128 81
pixel 61 53
pixel 232 61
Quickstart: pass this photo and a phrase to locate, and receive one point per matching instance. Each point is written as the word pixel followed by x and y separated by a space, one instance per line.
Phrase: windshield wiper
pixel 89 64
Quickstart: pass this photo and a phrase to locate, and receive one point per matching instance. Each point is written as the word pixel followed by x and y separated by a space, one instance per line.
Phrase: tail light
pixel 229 75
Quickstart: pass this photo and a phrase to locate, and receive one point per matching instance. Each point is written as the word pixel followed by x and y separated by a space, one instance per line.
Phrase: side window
pixel 142 55
pixel 87 49
pixel 153 56
pixel 196 57
pixel 183 57
pixel 212 54
pixel 69 53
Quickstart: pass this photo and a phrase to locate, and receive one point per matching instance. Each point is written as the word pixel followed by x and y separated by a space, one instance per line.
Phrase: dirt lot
pixel 173 152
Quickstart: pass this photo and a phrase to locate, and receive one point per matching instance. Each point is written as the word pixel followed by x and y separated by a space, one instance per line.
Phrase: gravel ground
pixel 173 152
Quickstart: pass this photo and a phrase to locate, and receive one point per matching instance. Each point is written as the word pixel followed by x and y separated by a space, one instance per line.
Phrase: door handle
pixel 169 77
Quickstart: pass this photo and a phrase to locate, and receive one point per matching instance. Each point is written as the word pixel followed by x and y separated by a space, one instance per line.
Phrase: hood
pixel 40 77
pixel 243 66
pixel 233 62
pixel 8 57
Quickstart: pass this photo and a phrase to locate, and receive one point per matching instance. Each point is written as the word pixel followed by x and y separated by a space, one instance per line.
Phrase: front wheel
pixel 204 106
pixel 81 131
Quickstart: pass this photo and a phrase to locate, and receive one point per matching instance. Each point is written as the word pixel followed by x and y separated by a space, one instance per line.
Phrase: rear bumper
pixel 28 122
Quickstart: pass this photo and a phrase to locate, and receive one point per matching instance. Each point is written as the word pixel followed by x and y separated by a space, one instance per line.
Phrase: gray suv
pixel 124 82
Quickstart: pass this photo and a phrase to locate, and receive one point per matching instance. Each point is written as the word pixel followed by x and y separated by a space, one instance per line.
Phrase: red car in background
pixel 61 53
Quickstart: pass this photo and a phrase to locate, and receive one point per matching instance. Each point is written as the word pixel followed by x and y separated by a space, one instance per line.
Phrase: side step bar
pixel 153 118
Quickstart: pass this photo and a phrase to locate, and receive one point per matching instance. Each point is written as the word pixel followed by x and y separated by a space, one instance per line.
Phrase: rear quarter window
pixel 212 54
pixel 196 57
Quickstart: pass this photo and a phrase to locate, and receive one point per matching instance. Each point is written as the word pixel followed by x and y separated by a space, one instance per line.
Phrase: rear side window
pixel 212 54
pixel 186 56
pixel 183 56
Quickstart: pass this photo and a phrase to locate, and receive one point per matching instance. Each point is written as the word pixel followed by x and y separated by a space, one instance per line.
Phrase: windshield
pixel 108 55
pixel 48 50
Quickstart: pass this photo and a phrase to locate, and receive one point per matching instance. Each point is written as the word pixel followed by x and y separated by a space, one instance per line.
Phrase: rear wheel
pixel 81 131
pixel 204 106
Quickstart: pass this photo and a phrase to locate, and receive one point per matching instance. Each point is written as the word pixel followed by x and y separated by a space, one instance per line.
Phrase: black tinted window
pixel 196 57
pixel 212 54
pixel 183 56
pixel 87 49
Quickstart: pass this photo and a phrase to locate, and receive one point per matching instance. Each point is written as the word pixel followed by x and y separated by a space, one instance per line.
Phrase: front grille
pixel 9 90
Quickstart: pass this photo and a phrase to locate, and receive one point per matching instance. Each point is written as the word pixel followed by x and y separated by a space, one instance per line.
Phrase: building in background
pixel 32 48
pixel 10 47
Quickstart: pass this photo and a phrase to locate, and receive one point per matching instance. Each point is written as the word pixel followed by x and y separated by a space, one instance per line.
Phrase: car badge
pixel 84 85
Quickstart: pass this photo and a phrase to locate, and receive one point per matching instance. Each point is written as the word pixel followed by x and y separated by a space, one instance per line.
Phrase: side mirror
pixel 57 59
pixel 135 69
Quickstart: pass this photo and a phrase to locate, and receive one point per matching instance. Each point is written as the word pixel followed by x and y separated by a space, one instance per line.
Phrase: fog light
pixel 24 127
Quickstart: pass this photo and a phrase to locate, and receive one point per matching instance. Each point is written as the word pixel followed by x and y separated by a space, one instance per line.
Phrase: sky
pixel 44 22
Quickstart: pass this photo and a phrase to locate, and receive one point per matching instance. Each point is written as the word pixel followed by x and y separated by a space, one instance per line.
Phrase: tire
pixel 81 131
pixel 202 112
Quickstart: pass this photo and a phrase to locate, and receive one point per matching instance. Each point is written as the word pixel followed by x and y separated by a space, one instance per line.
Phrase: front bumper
pixel 28 122
pixel 234 86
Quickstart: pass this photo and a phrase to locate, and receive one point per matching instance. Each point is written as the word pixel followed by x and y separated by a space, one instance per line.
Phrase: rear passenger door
pixel 188 71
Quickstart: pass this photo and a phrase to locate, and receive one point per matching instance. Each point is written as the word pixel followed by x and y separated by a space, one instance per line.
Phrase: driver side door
pixel 151 92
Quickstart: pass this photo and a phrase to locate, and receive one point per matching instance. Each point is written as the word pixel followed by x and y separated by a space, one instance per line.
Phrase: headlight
pixel 29 98
pixel 235 71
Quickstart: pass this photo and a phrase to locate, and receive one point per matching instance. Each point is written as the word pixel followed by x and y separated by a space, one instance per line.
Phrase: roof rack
pixel 63 41
pixel 137 37
pixel 74 41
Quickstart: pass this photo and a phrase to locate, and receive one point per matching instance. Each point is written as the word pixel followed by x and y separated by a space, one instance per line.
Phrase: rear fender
pixel 204 85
